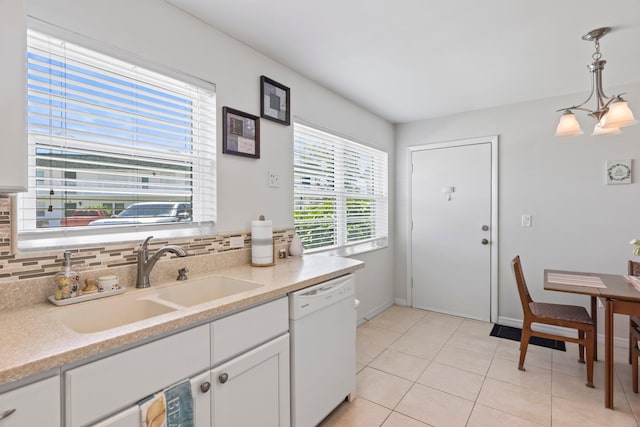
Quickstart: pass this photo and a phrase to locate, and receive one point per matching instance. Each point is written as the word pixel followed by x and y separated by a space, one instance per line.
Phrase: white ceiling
pixel 409 60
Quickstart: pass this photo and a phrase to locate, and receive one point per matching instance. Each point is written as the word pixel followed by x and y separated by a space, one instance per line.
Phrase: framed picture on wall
pixel 274 101
pixel 619 171
pixel 240 133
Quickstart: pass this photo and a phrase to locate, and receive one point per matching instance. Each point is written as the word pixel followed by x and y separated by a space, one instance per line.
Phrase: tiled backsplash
pixel 31 273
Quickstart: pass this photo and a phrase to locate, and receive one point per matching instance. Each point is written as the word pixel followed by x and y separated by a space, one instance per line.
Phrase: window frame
pixel 343 247
pixel 43 239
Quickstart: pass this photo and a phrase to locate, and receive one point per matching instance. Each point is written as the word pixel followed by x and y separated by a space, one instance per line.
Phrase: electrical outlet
pixel 273 179
pixel 236 242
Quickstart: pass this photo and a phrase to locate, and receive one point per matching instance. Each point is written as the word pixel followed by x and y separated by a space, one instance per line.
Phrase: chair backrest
pixel 525 297
pixel 634 268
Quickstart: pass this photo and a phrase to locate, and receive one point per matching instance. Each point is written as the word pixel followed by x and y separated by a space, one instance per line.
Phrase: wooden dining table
pixel 619 296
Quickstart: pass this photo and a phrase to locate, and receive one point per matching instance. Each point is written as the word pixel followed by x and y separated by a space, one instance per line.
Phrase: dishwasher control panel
pixel 309 300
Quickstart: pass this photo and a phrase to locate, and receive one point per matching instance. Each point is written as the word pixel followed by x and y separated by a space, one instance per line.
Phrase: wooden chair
pixel 568 316
pixel 634 352
pixel 633 269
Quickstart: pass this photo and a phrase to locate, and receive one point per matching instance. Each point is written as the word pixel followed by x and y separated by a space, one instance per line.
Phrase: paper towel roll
pixel 261 242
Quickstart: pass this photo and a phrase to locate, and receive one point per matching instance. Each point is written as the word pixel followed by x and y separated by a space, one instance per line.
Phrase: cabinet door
pixel 253 389
pixel 13 97
pixel 36 404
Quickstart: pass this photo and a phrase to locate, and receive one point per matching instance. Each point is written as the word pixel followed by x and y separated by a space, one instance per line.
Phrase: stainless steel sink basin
pixel 199 291
pixel 96 316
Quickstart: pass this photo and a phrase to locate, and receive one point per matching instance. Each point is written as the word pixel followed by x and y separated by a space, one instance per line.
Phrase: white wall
pixel 162 34
pixel 579 223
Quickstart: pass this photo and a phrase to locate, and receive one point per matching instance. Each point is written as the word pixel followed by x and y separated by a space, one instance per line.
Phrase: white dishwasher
pixel 322 324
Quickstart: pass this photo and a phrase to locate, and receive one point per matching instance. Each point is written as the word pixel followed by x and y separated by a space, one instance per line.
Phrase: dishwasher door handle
pixel 323 290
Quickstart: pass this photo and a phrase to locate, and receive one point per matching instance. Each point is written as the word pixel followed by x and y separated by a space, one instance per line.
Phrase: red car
pixel 82 217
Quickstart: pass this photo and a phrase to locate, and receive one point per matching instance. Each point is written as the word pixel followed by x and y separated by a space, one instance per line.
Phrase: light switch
pixel 526 221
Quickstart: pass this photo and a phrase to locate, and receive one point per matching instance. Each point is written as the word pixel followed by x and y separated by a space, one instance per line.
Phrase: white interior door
pixel 452 229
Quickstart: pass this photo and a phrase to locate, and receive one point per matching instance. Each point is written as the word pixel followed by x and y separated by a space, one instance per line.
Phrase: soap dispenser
pixel 66 280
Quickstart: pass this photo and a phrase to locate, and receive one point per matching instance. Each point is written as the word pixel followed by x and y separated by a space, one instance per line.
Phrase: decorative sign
pixel 619 171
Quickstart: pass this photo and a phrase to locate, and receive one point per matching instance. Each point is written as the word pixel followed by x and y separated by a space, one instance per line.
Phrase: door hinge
pixel 412 283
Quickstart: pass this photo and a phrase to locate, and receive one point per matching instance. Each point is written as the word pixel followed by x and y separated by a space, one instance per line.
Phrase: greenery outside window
pixel 107 137
pixel 340 192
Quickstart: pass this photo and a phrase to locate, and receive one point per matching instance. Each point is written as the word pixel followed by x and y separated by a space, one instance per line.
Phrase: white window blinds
pixel 340 190
pixel 105 134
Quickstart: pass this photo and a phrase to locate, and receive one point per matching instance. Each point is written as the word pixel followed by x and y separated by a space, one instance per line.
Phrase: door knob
pixel 223 378
pixel 484 241
pixel 205 386
pixel 485 227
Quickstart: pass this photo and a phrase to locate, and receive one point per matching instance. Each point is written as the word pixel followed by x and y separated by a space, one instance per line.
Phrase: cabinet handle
pixel 205 386
pixel 6 413
pixel 223 378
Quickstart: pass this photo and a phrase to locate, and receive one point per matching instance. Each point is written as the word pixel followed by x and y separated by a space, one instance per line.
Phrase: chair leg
pixel 590 353
pixel 630 341
pixel 581 347
pixel 634 370
pixel 524 343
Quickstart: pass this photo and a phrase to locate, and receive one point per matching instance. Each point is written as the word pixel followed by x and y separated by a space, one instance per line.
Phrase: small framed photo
pixel 619 171
pixel 240 133
pixel 274 101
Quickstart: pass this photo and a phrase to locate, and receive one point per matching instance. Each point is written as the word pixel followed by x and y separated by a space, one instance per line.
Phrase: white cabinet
pixel 13 86
pixel 248 385
pixel 253 388
pixel 36 404
pixel 103 387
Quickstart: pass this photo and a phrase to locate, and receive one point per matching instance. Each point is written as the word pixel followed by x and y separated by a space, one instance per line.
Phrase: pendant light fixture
pixel 611 113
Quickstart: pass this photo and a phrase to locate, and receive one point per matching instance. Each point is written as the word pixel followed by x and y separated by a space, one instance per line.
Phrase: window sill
pixel 354 249
pixel 95 236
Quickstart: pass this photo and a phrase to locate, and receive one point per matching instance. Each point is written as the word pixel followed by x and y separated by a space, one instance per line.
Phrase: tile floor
pixel 418 368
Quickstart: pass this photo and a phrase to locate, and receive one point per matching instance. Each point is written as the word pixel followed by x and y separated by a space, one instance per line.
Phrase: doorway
pixel 454 217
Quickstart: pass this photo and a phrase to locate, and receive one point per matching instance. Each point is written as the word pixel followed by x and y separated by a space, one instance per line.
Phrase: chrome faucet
pixel 145 264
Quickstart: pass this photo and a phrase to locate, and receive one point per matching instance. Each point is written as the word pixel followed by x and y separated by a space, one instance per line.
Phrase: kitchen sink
pixel 198 291
pixel 96 316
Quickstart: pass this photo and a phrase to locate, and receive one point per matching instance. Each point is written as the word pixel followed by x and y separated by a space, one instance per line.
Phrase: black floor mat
pixel 514 334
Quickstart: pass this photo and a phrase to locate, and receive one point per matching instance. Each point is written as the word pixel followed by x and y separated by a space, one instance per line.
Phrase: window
pixel 105 134
pixel 340 191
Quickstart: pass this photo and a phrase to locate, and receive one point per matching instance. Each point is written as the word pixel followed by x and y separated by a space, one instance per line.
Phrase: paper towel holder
pixel 271 264
pixel 273 251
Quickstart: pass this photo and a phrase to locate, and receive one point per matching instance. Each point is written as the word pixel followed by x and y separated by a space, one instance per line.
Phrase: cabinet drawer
pixel 36 404
pixel 115 382
pixel 248 329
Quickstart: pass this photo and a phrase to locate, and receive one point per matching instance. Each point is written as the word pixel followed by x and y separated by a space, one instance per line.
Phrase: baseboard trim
pixel 373 313
pixel 618 342
pixel 401 301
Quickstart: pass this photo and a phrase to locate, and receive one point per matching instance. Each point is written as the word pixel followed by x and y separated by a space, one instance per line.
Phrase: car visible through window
pixel 80 217
pixel 149 213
